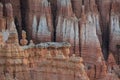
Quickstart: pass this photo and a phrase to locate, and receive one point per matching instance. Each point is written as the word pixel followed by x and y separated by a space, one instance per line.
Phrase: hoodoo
pixel 59 40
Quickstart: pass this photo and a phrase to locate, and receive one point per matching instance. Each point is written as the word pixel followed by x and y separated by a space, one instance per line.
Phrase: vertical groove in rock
pixel 54 14
pixel 115 30
pixel 67 25
pixel 89 39
pixel 38 8
pixel 77 4
pixel 91 26
pixel 43 32
pixel 34 28
pixel 104 10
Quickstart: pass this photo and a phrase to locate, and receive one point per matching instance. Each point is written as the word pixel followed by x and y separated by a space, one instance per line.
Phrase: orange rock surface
pixel 59 40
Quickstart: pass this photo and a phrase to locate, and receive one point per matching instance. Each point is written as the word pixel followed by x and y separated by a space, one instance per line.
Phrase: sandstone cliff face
pixel 67 28
pixel 114 31
pixel 39 62
pixel 90 26
pixel 38 14
pixel 89 34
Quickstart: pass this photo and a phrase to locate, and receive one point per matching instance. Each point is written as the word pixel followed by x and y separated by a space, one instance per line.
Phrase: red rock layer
pixel 42 10
pixel 2 20
pixel 67 28
pixel 42 61
pixel 16 9
pixel 114 31
pixel 32 8
pixel 91 26
pixel 89 39
pixel 77 4
pixel 90 45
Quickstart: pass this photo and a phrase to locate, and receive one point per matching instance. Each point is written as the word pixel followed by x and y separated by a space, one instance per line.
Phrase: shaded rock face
pixel 37 14
pixel 90 26
pixel 114 31
pixel 16 13
pixel 114 36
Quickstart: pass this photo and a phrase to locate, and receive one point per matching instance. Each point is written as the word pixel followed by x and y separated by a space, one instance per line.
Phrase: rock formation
pixel 114 32
pixel 23 41
pixel 38 17
pixel 90 45
pixel 2 20
pixel 61 73
pixel 59 40
pixel 67 28
pixel 34 62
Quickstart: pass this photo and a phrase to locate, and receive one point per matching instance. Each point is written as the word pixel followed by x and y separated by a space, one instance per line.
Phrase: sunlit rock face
pixel 89 39
pixel 34 62
pixel 90 45
pixel 43 33
pixel 40 31
pixel 90 26
pixel 63 73
pixel 45 27
pixel 67 28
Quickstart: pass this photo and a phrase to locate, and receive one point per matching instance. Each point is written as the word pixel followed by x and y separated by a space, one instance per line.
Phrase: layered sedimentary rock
pixel 16 13
pixel 67 28
pixel 89 39
pixel 32 8
pixel 90 26
pixel 13 59
pixel 90 45
pixel 61 73
pixel 114 32
pixel 112 66
pixel 77 6
pixel 104 7
pixel 42 61
pixel 23 41
pixel 38 15
pixel 2 20
pixel 16 9
pixel 28 62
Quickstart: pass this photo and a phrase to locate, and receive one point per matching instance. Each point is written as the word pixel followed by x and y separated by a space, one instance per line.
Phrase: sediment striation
pixel 59 40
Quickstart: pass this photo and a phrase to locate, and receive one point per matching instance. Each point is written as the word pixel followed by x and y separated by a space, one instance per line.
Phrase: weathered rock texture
pixel 91 27
pixel 67 28
pixel 45 61
pixel 37 15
